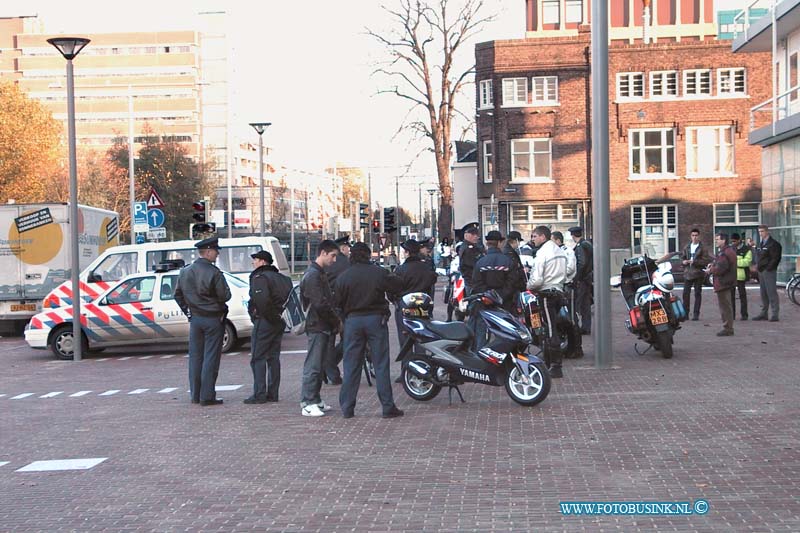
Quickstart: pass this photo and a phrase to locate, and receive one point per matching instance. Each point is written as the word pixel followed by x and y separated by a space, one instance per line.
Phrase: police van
pixel 120 261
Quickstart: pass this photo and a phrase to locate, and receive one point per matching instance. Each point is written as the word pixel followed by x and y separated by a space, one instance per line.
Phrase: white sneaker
pixel 312 409
pixel 324 406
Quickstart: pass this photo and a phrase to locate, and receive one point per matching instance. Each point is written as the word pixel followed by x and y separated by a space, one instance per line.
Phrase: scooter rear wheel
pixel 665 343
pixel 418 388
pixel 532 392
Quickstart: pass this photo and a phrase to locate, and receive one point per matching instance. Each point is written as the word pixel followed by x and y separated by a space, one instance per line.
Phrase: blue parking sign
pixel 140 213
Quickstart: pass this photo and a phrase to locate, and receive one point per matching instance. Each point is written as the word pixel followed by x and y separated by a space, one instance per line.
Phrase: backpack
pixel 283 290
pixel 295 312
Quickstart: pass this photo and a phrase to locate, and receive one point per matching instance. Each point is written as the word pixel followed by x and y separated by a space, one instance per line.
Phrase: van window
pixel 115 267
pixel 236 259
pixel 157 257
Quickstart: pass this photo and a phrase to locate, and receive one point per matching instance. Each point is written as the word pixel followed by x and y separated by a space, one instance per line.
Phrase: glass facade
pixel 780 207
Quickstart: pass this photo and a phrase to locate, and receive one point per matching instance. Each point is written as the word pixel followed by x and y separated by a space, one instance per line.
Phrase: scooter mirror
pixel 616 281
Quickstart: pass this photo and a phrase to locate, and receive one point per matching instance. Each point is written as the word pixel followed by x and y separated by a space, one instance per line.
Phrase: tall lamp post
pixel 260 127
pixel 433 218
pixel 70 47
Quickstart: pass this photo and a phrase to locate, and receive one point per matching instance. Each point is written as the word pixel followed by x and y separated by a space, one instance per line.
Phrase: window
pixel 574 11
pixel 696 82
pixel 709 151
pixel 664 84
pixel 545 90
pixel 630 85
pixel 515 91
pixel 489 218
pixel 557 216
pixel 115 267
pixel 793 79
pixel 530 160
pixel 551 11
pixel 748 213
pixel 731 81
pixel 486 96
pixel 488 168
pixel 132 290
pixel 654 229
pixel 652 153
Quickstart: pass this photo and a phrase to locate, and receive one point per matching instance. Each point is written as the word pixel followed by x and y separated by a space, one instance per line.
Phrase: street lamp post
pixel 260 127
pixel 70 47
pixel 433 218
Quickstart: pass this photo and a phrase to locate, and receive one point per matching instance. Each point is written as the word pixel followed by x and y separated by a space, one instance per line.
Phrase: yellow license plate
pixel 23 307
pixel 536 320
pixel 658 316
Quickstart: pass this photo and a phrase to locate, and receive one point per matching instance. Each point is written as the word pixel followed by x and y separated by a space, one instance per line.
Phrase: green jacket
pixel 744 257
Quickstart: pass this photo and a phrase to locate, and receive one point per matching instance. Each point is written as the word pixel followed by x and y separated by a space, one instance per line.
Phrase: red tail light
pixel 636 317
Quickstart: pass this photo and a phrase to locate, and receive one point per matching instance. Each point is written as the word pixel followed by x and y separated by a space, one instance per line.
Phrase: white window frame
pixel 662 78
pixel 665 146
pixel 486 96
pixel 669 230
pixel 511 88
pixel 628 80
pixel 488 163
pixel 696 76
pixel 722 148
pixel 532 160
pixel 573 11
pixel 731 73
pixel 737 217
pixel 547 11
pixel 549 85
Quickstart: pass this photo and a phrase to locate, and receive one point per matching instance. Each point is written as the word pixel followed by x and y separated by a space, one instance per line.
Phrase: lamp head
pixel 260 127
pixel 69 46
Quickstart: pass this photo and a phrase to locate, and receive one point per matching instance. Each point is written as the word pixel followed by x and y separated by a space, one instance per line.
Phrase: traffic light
pixel 376 226
pixel 363 215
pixel 199 211
pixel 389 223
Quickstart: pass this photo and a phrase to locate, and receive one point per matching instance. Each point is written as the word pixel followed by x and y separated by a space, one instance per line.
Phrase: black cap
pixel 411 246
pixel 345 239
pixel 576 230
pixel 494 235
pixel 427 243
pixel 472 227
pixel 263 254
pixel 206 244
pixel 515 235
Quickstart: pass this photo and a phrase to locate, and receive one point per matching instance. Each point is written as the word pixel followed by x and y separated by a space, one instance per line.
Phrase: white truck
pixel 35 252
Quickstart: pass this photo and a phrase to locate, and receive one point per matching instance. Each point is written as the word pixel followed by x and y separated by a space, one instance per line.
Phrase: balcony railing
pixel 743 17
pixel 776 108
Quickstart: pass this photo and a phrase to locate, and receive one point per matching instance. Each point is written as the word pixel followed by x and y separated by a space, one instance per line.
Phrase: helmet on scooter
pixel 416 305
pixel 664 280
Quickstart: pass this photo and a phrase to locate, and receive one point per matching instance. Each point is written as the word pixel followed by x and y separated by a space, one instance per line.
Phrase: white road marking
pixel 1 395
pixel 80 393
pixel 167 356
pixel 124 358
pixel 109 392
pixel 138 391
pixel 185 356
pixel 62 464
pixel 294 352
pixel 4 463
pixel 145 357
pixel 167 390
pixel 51 394
pixel 21 396
pixel 101 360
pixel 226 387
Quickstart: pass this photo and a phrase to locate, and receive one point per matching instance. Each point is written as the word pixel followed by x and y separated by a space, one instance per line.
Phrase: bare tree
pixel 422 54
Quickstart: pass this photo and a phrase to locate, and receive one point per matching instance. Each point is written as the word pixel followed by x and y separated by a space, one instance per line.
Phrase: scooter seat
pixel 456 331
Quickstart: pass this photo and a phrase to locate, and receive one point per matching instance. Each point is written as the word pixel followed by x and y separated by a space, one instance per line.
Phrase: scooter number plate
pixel 536 321
pixel 658 316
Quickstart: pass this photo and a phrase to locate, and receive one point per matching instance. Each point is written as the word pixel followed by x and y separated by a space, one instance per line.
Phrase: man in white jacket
pixel 548 274
pixel 569 289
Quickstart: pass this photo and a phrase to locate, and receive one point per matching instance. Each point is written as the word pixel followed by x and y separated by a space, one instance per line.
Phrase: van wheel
pixel 229 339
pixel 61 343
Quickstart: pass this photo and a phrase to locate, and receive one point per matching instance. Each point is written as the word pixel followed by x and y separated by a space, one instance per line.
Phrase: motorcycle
pixel 550 332
pixel 654 313
pixel 450 358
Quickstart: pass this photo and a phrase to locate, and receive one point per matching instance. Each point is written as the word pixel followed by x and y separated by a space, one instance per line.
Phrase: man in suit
pixel 768 257
pixel 695 260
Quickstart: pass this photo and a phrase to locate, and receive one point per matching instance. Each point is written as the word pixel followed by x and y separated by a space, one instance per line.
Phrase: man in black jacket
pixel 469 253
pixel 768 254
pixel 496 270
pixel 695 260
pixel 330 366
pixel 511 249
pixel 321 323
pixel 268 292
pixel 201 293
pixel 584 278
pixel 361 297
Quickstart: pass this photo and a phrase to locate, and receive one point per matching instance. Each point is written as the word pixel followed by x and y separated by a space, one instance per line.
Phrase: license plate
pixel 23 307
pixel 658 316
pixel 536 321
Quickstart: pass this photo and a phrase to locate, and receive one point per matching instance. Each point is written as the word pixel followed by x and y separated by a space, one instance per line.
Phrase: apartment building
pixel 678 122
pixel 775 119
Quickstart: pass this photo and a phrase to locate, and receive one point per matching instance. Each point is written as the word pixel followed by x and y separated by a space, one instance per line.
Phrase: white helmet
pixel 664 280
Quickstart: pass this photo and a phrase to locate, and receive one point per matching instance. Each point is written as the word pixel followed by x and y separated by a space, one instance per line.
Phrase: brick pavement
pixel 718 422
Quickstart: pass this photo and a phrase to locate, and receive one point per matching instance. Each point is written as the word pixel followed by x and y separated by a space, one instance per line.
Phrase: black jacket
pixel 584 261
pixel 769 255
pixel 315 293
pixel 494 271
pixel 415 276
pixel 341 264
pixel 362 288
pixel 268 292
pixel 518 279
pixel 701 260
pixel 468 257
pixel 202 290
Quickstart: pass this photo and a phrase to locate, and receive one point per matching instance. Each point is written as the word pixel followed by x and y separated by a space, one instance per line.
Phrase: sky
pixel 305 66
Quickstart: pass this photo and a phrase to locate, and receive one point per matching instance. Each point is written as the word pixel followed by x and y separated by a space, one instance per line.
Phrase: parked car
pixel 140 309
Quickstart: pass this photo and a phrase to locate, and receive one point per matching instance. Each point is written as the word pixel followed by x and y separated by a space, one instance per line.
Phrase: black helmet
pixel 416 305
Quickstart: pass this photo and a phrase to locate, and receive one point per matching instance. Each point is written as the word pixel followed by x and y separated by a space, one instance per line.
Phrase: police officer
pixel 518 277
pixel 569 289
pixel 426 254
pixel 201 293
pixel 330 366
pixel 497 271
pixel 360 294
pixel 268 292
pixel 469 253
pixel 584 278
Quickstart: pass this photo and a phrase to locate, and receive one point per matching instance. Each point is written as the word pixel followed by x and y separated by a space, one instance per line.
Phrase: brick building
pixel 678 125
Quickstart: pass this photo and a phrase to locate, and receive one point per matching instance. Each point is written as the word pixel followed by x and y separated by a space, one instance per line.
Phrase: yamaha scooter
pixel 453 355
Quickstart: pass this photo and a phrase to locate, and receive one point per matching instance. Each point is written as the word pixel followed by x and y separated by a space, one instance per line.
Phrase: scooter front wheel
pixel 528 391
pixel 418 388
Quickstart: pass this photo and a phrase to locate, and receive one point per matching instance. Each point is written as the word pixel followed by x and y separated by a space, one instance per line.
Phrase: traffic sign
pixel 154 200
pixel 140 239
pixel 140 212
pixel 157 233
pixel 155 217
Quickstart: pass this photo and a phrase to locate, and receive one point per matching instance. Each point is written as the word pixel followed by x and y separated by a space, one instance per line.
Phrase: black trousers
pixel 265 358
pixel 583 303
pixel 740 286
pixel 697 284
